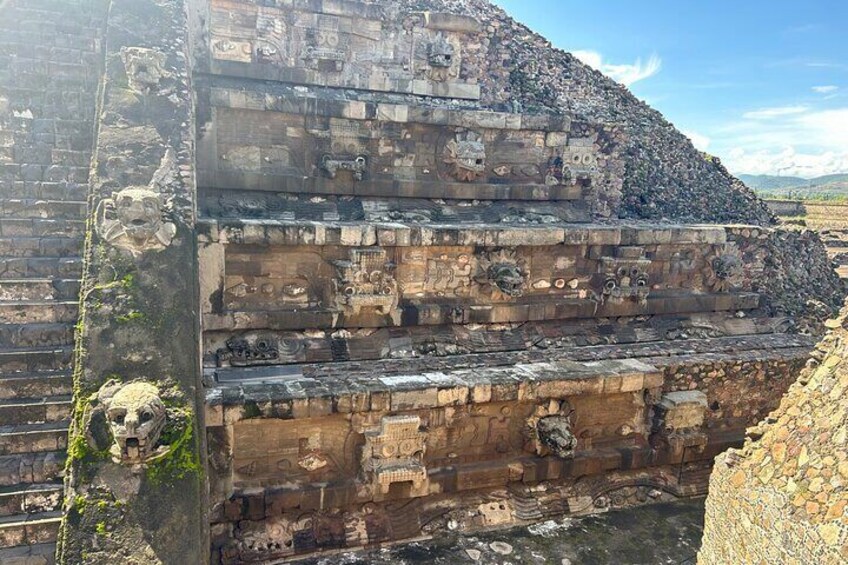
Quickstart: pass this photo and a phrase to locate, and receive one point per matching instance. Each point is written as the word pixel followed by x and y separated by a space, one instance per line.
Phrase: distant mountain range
pixel 827 187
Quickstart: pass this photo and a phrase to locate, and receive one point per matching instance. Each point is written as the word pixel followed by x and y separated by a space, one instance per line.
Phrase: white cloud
pixel 626 74
pixel 801 142
pixel 770 113
pixel 786 162
pixel 701 142
pixel 826 89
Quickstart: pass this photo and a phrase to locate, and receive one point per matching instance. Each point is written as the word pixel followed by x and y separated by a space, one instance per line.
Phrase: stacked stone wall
pixel 782 498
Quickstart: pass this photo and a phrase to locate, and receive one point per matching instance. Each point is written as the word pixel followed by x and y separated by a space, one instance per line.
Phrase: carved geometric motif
pixel 366 281
pixel 394 453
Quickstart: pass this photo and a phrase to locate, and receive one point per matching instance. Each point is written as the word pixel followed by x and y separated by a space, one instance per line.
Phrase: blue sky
pixel 761 84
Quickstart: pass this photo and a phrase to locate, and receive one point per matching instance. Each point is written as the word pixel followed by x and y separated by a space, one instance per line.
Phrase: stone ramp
pixel 50 61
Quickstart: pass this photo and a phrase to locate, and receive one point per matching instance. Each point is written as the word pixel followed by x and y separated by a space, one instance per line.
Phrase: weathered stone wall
pixel 786 207
pixel 50 65
pixel 740 390
pixel 135 474
pixel 782 497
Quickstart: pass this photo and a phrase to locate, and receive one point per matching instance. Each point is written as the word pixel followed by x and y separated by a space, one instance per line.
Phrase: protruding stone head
pixel 503 271
pixel 136 417
pixel 727 266
pixel 133 219
pixel 139 211
pixel 508 278
pixel 467 156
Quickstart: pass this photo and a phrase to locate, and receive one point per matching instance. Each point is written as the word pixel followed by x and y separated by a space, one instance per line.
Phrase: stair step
pixel 37 227
pixel 36 359
pixel 41 246
pixel 23 336
pixel 45 209
pixel 47 267
pixel 34 438
pixel 35 410
pixel 38 311
pixel 39 289
pixel 20 468
pixel 36 384
pixel 36 554
pixel 30 498
pixel 29 529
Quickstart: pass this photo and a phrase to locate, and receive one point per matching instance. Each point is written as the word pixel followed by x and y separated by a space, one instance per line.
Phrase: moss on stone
pixel 183 459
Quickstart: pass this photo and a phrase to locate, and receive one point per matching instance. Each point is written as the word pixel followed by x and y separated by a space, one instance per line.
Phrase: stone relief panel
pixel 222 204
pixel 351 148
pixel 678 419
pixel 391 454
pixel 465 156
pixel 145 68
pixel 319 287
pixel 503 272
pixel 351 46
pixel 136 219
pixel 575 161
pixel 251 349
pixel 626 276
pixel 551 430
pixel 315 450
pixel 723 269
pixel 442 58
pixel 298 281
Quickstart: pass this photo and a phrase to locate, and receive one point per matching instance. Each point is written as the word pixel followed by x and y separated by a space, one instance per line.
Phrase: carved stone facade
pixel 431 293
pixel 366 282
pixel 410 318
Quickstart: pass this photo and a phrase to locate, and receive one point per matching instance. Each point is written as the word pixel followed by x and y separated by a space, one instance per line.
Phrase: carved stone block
pixel 504 272
pixel 723 269
pixel 352 46
pixel 145 68
pixel 679 418
pixel 466 156
pixel 626 276
pixel 366 282
pixel 394 453
pixel 358 166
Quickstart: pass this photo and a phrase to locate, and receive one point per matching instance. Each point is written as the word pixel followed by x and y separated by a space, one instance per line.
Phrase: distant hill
pixel 827 187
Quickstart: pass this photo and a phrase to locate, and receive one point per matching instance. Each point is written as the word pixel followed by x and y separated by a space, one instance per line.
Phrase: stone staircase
pixel 50 64
pixel 39 283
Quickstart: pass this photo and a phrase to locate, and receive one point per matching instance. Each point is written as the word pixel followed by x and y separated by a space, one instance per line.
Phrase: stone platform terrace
pixel 494 439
